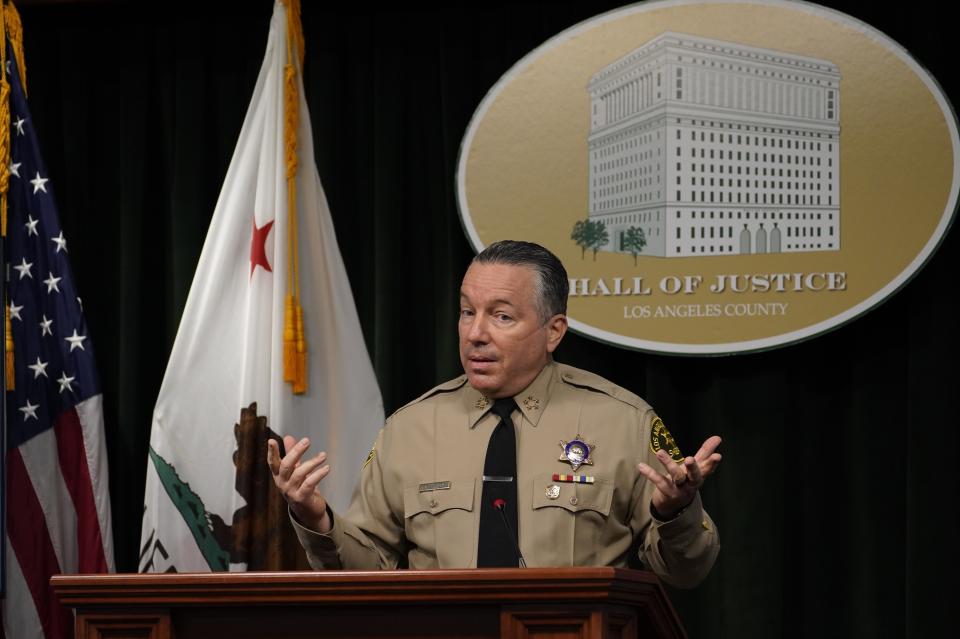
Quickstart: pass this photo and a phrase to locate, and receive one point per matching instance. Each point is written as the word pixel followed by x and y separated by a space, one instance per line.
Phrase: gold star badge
pixel 481 403
pixel 531 403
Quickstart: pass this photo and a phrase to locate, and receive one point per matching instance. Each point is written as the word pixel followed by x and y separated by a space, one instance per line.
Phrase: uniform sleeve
pixel 680 551
pixel 371 535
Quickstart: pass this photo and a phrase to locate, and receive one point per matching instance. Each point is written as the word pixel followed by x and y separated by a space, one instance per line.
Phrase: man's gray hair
pixel 551 285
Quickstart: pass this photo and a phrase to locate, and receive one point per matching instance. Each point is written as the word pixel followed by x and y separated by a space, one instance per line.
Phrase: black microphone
pixel 499 504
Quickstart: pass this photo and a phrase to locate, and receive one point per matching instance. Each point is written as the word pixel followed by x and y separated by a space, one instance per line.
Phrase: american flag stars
pixel 40 368
pixel 65 383
pixel 76 341
pixel 52 344
pixel 29 410
pixel 39 183
pixel 60 242
pixel 57 476
pixel 51 283
pixel 31 224
pixel 24 269
pixel 45 326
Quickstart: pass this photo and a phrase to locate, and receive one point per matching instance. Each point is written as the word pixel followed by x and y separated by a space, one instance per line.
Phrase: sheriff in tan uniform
pixel 420 502
pixel 419 495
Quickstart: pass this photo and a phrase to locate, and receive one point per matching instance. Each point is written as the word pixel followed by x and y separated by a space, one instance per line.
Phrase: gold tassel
pixel 300 384
pixel 294 28
pixel 289 341
pixel 11 27
pixel 5 180
pixel 14 29
pixel 4 149
pixel 5 119
pixel 294 340
pixel 291 116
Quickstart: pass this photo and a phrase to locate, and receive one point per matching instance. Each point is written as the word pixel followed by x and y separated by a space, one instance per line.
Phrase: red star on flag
pixel 258 251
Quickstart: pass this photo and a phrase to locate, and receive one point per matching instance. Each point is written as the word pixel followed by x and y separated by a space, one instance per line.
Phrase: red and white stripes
pixel 58 519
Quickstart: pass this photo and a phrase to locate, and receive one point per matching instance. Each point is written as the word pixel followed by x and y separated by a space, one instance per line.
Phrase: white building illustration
pixel 716 148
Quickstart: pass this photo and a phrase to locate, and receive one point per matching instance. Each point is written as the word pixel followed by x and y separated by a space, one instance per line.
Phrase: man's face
pixel 504 342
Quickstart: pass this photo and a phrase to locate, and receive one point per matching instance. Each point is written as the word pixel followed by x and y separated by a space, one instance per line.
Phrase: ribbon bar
pixel 573 479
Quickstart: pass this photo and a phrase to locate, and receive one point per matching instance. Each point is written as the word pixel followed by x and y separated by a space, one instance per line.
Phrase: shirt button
pixel 573 501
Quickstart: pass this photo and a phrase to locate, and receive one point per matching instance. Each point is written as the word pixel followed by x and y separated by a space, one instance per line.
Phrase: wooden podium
pixel 554 603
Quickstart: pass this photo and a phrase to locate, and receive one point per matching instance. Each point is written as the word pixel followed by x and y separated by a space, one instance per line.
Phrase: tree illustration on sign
pixel 634 239
pixel 579 236
pixel 589 235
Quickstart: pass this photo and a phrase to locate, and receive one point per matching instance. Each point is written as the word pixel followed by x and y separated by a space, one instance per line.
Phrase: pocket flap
pixel 597 496
pixel 459 495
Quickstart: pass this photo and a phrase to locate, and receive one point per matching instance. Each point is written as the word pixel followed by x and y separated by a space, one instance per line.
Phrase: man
pixel 519 447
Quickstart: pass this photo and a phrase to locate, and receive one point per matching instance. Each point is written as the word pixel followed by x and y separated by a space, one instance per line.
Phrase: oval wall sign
pixel 717 177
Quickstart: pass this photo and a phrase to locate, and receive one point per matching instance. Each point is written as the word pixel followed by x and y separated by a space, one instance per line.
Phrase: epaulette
pixel 585 379
pixel 446 387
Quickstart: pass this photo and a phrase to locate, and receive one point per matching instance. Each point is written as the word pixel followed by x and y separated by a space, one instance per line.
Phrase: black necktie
pixel 498 543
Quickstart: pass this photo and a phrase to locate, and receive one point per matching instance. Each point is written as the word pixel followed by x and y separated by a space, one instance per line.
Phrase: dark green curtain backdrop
pixel 837 497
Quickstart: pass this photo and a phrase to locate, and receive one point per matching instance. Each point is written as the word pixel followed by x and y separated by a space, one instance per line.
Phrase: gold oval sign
pixel 716 177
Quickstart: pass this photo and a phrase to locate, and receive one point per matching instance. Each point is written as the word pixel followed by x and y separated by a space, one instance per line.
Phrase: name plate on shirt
pixel 434 485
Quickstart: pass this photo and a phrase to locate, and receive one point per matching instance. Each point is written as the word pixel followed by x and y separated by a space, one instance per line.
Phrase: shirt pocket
pixel 569 520
pixel 573 497
pixel 441 524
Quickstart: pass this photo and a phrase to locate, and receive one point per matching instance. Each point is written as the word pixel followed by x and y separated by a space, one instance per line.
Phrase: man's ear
pixel 556 328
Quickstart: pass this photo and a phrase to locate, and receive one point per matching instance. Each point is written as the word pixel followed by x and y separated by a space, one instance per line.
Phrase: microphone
pixel 500 504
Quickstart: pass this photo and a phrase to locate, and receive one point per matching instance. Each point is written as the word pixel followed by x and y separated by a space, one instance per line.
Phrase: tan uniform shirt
pixel 417 503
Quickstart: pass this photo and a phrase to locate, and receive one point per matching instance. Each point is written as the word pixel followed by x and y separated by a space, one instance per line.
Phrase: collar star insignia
pixel 531 403
pixel 577 452
pixel 481 403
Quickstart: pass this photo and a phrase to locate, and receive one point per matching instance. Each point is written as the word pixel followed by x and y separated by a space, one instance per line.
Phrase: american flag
pixel 57 502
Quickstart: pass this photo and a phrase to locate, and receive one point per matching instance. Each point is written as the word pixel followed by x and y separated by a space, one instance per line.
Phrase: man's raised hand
pixel 298 481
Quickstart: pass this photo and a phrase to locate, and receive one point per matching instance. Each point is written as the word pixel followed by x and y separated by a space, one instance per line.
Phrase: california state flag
pixel 210 503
